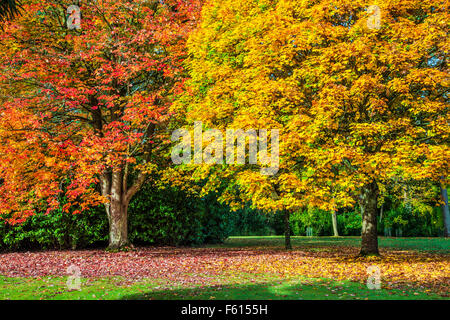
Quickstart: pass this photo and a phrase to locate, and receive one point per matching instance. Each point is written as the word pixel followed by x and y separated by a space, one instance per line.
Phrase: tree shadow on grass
pixel 313 289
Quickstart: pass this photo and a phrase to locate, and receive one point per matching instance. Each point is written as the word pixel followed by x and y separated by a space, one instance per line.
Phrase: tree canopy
pixel 358 106
pixel 87 105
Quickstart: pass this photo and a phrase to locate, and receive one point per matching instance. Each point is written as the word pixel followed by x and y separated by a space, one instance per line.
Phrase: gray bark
pixel 114 188
pixel 445 211
pixel 368 203
pixel 287 231
pixel 334 220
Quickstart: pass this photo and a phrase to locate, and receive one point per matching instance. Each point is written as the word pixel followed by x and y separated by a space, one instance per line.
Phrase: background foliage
pixel 173 217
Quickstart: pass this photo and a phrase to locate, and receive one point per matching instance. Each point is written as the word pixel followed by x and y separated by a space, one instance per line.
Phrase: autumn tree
pixel 359 94
pixel 445 211
pixel 85 103
pixel 8 9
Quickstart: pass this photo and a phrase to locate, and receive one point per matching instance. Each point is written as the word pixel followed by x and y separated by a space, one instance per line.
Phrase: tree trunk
pixel 118 226
pixel 287 230
pixel 445 211
pixel 368 203
pixel 118 213
pixel 114 188
pixel 334 220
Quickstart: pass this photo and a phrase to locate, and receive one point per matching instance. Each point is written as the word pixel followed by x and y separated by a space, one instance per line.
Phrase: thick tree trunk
pixel 287 230
pixel 334 220
pixel 118 226
pixel 369 210
pixel 445 211
pixel 114 188
pixel 118 213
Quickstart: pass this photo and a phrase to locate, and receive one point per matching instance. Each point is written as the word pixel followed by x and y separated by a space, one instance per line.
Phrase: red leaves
pixel 84 100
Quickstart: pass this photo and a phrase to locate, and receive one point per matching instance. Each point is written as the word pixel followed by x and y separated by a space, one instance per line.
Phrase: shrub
pixel 57 230
pixel 156 217
pixel 250 222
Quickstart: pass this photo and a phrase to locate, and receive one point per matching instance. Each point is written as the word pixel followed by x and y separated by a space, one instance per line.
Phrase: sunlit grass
pixel 250 288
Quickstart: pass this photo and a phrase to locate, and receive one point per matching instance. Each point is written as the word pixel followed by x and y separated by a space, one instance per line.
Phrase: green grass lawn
pixel 254 289
pixel 240 286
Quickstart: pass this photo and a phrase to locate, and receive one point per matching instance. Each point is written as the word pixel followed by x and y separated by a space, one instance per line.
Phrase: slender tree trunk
pixel 334 220
pixel 406 200
pixel 287 230
pixel 368 204
pixel 445 211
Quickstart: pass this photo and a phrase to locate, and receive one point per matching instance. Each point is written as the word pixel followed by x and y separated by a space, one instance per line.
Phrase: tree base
pixel 364 254
pixel 121 248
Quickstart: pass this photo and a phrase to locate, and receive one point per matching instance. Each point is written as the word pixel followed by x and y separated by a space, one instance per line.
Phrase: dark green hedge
pixel 156 217
pixel 57 230
pixel 171 217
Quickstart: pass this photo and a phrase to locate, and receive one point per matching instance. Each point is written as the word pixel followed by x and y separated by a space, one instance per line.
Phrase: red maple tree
pixel 84 111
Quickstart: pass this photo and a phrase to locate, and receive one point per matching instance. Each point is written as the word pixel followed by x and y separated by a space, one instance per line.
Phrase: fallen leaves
pixel 427 272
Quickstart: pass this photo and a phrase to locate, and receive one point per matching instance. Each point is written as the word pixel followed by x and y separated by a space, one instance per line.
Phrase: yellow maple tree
pixel 359 92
